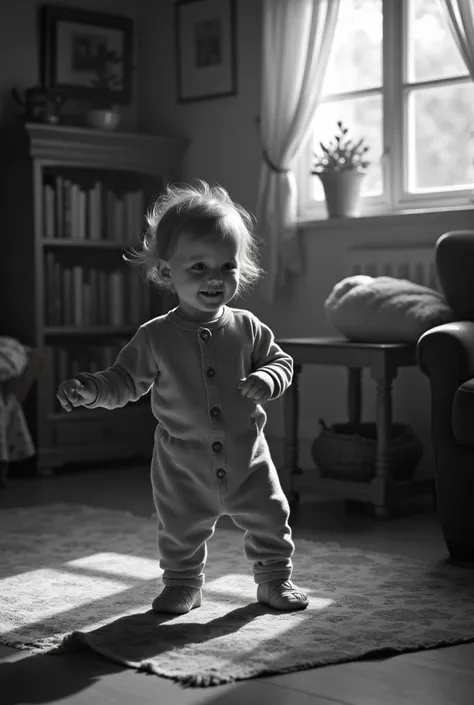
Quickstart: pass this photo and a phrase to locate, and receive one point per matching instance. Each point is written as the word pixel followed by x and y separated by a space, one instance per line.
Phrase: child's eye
pixel 201 265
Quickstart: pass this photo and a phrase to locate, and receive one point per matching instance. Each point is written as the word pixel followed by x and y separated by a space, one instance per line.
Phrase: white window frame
pixel 395 92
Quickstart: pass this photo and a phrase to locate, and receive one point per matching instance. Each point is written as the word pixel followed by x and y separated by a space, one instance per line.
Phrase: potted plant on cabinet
pixel 341 168
pixel 104 114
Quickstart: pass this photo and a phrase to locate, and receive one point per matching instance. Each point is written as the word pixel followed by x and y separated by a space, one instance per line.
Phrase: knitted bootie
pixel 281 595
pixel 177 599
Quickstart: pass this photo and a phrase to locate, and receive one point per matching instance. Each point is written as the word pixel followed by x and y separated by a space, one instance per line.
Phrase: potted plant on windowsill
pixel 341 168
pixel 104 114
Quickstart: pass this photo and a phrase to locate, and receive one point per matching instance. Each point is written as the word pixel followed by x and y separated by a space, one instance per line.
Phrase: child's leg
pixel 187 510
pixel 260 507
pixel 182 547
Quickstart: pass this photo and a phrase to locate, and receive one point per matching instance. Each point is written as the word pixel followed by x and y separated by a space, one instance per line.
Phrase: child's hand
pixel 256 388
pixel 73 393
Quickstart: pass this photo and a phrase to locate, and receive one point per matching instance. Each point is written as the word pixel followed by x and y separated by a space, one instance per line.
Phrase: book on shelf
pixel 95 214
pixel 89 296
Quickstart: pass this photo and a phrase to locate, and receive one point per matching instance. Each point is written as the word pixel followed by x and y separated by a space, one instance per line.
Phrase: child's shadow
pixel 132 640
pixel 146 635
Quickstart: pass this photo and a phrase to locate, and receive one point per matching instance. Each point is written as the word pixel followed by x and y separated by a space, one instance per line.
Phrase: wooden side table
pixel 383 360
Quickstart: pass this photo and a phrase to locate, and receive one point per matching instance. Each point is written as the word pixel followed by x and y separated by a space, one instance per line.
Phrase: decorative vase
pixel 342 191
pixel 102 119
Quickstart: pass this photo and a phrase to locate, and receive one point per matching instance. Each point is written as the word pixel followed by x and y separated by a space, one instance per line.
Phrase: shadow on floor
pixel 46 678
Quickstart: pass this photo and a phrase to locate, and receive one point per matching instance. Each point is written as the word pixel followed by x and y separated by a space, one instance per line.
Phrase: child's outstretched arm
pixel 128 379
pixel 270 362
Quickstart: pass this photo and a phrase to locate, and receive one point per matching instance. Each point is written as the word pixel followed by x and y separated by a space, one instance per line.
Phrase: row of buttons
pixel 215 411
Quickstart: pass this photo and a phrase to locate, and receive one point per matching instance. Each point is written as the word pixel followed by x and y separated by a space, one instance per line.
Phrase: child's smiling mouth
pixel 211 294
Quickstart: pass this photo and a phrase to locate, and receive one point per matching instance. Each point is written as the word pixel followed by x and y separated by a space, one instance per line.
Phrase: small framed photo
pixel 205 49
pixel 86 55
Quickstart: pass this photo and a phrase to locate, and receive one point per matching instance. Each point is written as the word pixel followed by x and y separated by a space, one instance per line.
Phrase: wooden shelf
pixel 99 244
pixel 67 331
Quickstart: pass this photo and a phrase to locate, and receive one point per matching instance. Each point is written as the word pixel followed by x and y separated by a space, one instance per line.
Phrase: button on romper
pixel 210 453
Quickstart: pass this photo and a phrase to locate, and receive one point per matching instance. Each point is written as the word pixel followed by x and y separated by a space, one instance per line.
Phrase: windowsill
pixel 406 217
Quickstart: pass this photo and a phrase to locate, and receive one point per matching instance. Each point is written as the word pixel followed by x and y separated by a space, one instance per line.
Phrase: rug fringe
pixel 21 646
pixel 34 649
pixel 79 640
pixel 202 681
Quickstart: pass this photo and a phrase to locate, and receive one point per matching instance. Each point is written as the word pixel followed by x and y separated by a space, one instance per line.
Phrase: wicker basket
pixel 344 452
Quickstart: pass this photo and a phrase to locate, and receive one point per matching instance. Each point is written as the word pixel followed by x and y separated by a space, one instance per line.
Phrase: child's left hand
pixel 255 388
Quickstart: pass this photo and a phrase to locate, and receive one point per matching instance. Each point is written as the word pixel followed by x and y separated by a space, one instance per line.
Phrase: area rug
pixel 81 577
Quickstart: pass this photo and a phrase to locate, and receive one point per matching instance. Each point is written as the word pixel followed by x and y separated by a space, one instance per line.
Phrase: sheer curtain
pixel 460 15
pixel 297 39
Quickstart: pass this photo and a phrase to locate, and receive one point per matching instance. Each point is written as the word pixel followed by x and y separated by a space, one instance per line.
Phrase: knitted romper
pixel 210 454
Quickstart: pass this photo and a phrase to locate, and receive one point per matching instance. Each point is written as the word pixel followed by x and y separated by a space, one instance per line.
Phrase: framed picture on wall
pixel 86 55
pixel 205 33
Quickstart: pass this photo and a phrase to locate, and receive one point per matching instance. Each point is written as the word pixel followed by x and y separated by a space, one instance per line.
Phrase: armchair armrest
pixel 450 345
pixel 445 354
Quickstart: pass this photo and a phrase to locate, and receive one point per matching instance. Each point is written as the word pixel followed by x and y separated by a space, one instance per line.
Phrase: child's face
pixel 204 265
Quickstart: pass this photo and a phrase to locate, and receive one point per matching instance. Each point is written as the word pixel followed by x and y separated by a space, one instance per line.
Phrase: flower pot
pixel 103 119
pixel 342 192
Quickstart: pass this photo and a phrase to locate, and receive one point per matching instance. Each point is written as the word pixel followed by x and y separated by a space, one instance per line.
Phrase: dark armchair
pixel 446 356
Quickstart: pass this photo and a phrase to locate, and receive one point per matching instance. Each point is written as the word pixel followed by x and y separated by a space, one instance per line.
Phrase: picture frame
pixel 206 49
pixel 72 41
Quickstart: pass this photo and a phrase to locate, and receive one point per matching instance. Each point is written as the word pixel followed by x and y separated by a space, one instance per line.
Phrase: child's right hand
pixel 73 393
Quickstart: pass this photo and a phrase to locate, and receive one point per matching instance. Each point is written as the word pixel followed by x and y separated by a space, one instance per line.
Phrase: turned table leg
pixel 354 413
pixel 383 479
pixel 290 447
pixel 354 395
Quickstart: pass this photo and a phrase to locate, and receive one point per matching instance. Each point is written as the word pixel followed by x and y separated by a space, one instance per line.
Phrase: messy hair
pixel 199 211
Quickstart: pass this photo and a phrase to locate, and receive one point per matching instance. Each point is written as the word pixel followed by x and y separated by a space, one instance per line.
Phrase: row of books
pixel 65 364
pixel 98 213
pixel 88 296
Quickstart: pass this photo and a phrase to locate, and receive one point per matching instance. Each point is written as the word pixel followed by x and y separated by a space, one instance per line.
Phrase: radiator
pixel 417 264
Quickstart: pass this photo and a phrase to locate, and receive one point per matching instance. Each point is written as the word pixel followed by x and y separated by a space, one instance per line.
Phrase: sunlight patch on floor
pixel 320 603
pixel 119 564
pixel 60 592
pixel 238 584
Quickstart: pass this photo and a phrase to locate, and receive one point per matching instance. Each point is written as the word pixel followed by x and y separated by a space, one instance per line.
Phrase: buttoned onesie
pixel 210 454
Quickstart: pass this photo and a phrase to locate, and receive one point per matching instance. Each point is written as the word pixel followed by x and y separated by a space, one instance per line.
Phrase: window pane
pixel 363 118
pixel 439 125
pixel 355 61
pixel 432 51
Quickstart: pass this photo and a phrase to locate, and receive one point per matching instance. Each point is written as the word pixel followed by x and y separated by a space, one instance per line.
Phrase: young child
pixel 210 369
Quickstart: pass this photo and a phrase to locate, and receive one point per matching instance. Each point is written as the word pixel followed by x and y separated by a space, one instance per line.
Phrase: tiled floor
pixel 432 677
